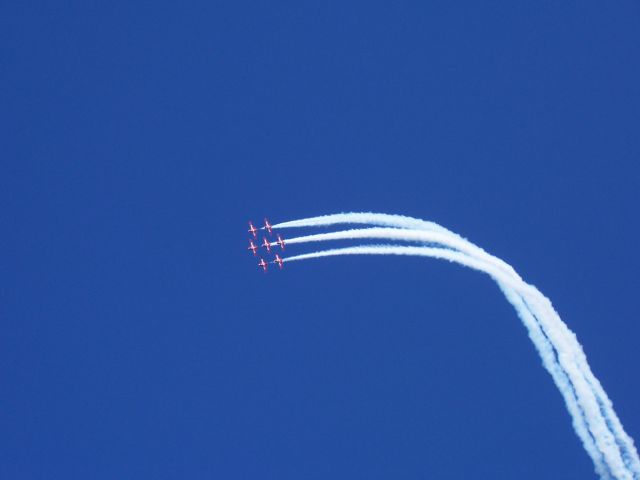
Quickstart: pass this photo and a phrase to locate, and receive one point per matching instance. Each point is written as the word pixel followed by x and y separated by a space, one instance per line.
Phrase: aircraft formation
pixel 266 244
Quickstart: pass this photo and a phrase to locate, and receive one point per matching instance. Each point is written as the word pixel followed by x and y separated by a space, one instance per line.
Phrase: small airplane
pixel 266 244
pixel 263 264
pixel 280 242
pixel 267 225
pixel 252 230
pixel 253 247
pixel 278 260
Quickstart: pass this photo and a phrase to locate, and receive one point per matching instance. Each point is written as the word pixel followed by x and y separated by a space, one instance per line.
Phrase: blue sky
pixel 140 340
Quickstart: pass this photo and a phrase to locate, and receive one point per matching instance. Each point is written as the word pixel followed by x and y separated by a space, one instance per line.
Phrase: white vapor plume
pixel 436 237
pixel 381 219
pixel 594 419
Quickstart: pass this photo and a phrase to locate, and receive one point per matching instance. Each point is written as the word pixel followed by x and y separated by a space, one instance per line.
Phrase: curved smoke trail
pixel 594 419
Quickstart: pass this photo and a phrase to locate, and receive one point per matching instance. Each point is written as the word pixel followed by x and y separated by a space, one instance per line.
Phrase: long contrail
pixel 435 237
pixel 594 419
pixel 381 219
pixel 548 355
pixel 628 451
pixel 455 242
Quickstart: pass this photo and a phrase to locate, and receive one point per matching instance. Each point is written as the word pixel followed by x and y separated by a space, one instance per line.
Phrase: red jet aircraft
pixel 253 247
pixel 263 264
pixel 266 244
pixel 252 230
pixel 267 225
pixel 280 242
pixel 278 260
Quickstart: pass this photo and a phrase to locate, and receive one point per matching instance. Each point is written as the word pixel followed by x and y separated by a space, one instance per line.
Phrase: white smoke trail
pixel 511 282
pixel 549 361
pixel 614 444
pixel 624 442
pixel 604 448
pixel 397 221
pixel 382 219
pixel 449 241
pixel 437 237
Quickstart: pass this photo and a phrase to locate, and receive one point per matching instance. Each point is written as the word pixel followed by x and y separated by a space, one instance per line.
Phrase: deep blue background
pixel 139 340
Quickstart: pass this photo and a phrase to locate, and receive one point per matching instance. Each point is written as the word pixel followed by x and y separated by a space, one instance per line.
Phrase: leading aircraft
pixel 252 230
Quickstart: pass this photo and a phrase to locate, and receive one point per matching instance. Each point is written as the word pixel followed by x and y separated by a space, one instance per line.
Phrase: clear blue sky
pixel 139 339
